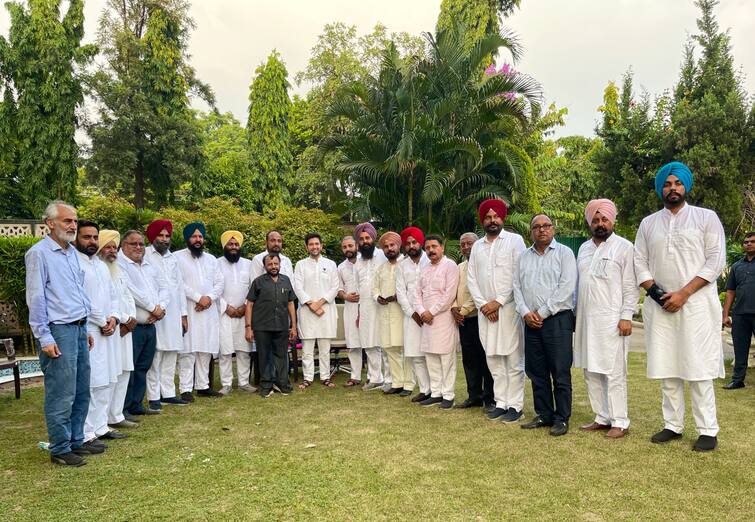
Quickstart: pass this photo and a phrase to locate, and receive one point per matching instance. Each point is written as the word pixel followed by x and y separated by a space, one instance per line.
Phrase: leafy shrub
pixel 13 281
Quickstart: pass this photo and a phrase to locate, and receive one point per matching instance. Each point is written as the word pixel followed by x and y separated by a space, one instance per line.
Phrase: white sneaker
pixel 225 390
pixel 248 388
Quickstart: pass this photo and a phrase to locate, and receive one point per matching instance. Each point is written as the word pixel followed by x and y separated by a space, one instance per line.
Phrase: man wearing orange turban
pixel 607 297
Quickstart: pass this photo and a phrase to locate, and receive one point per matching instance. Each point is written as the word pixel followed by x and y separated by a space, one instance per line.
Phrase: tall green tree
pixel 145 140
pixel 39 65
pixel 708 128
pixel 268 133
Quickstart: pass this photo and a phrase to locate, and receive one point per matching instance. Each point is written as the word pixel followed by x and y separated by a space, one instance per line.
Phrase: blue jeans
pixel 66 387
pixel 145 343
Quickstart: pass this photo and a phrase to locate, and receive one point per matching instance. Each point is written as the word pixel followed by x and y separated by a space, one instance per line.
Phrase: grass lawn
pixel 345 454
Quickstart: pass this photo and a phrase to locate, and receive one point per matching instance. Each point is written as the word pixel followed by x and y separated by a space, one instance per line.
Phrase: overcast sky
pixel 573 47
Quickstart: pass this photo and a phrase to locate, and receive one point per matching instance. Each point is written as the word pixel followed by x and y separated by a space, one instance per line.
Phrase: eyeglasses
pixel 135 245
pixel 546 226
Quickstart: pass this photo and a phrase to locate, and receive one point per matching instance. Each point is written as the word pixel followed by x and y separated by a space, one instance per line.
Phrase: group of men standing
pixel 114 318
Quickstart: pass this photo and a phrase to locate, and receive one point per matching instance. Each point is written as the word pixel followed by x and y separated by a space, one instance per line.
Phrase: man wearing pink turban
pixel 607 297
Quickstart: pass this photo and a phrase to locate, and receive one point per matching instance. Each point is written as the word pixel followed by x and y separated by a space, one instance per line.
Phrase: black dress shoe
pixel 559 428
pixel 209 392
pixel 468 404
pixel 665 435
pixel 537 422
pixel 393 391
pixel 420 397
pixel 68 459
pixel 187 396
pixel 734 385
pixel 705 443
pixel 112 434
pixel 405 393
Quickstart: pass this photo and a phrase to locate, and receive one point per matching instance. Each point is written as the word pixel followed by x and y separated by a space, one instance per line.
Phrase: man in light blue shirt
pixel 58 309
pixel 544 286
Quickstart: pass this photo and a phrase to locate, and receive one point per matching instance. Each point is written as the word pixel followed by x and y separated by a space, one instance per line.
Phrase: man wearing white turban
pixel 606 300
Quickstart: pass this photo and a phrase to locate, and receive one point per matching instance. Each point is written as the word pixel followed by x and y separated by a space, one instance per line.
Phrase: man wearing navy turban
pixel 203 281
pixel 679 253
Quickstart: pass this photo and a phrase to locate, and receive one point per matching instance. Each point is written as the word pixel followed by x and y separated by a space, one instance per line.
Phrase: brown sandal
pixel 305 384
pixel 328 383
pixel 352 382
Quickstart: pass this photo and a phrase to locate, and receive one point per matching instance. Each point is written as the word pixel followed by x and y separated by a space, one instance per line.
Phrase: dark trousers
pixel 479 380
pixel 145 343
pixel 547 361
pixel 272 351
pixel 742 328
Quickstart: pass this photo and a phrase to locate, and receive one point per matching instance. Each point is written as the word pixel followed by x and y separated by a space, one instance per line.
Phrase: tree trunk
pixel 139 185
pixel 411 197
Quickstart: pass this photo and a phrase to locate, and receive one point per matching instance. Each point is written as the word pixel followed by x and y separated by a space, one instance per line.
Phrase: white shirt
pixel 369 332
pixel 201 277
pixel 607 293
pixel 169 328
pixel 406 285
pixel 490 277
pixel 673 249
pixel 287 269
pixel 124 361
pixel 348 283
pixel 147 285
pixel 315 280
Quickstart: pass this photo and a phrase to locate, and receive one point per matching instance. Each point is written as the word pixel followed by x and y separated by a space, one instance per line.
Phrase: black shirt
pixel 742 281
pixel 270 298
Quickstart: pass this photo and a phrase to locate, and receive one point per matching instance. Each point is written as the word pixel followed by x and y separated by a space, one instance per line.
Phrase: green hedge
pixel 13 283
pixel 219 215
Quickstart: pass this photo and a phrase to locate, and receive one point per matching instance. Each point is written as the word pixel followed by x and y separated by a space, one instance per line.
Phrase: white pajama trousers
pixel 118 398
pixel 355 361
pixel 421 375
pixel 308 358
pixel 387 376
pixel 194 371
pixel 508 379
pixel 703 405
pixel 161 377
pixel 96 421
pixel 608 394
pixel 243 367
pixel 442 370
pixel 374 364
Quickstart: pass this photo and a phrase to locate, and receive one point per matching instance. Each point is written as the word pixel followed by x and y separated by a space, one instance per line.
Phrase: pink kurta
pixel 435 293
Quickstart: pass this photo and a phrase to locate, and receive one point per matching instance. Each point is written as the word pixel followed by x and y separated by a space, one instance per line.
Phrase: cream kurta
pixel 673 250
pixel 315 280
pixel 490 276
pixel 348 283
pixel 435 293
pixel 391 316
pixel 125 359
pixel 369 331
pixel 236 283
pixel 607 293
pixel 104 303
pixel 201 277
pixel 406 285
pixel 169 329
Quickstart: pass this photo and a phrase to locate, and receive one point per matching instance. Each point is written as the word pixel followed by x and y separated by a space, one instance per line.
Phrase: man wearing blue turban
pixel 203 281
pixel 679 253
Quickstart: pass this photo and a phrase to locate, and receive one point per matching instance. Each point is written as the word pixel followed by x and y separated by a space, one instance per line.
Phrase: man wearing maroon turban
pixel 161 387
pixel 607 297
pixel 490 276
pixel 407 276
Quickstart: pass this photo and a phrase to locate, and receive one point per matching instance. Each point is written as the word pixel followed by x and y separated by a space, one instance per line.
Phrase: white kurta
pixel 369 331
pixel 608 293
pixel 406 283
pixel 237 278
pixel 672 250
pixel 125 358
pixel 287 269
pixel 104 303
pixel 201 277
pixel 314 280
pixel 169 329
pixel 348 283
pixel 490 276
